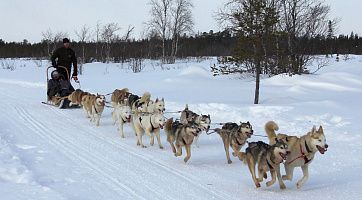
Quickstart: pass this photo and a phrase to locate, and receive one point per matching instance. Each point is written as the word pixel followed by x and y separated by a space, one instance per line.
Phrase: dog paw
pixel 299 184
pixel 283 187
pixel 269 183
pixel 285 177
pixel 234 154
pixel 161 147
pixel 186 159
pixel 257 185
pixel 241 156
pixel 229 161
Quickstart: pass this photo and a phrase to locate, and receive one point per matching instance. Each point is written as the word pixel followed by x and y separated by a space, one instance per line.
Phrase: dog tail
pixel 270 128
pixel 125 90
pixel 168 125
pixel 146 97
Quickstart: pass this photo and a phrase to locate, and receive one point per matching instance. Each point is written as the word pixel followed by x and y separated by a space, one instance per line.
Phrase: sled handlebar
pixel 57 67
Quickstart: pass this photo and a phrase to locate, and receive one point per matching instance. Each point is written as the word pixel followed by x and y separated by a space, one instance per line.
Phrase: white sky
pixel 27 19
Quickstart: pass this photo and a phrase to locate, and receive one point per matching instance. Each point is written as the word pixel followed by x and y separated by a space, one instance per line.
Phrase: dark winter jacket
pixel 66 57
pixel 59 87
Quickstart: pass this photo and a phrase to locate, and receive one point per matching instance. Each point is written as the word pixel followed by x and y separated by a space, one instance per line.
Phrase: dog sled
pixel 58 100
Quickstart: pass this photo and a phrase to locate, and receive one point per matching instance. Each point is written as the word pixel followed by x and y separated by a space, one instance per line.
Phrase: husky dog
pixel 202 121
pixel 149 124
pixel 181 135
pixel 119 96
pixel 121 115
pixel 157 106
pixel 234 136
pixel 268 158
pixel 76 97
pixel 93 105
pixel 302 149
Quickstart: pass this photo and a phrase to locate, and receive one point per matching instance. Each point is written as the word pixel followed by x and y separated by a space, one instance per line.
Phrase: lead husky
pixel 181 135
pixel 149 124
pixel 202 121
pixel 234 136
pixel 302 149
pixel 93 105
pixel 268 158
pixel 121 115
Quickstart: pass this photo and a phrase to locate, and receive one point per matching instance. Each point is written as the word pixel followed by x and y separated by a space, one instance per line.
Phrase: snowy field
pixel 48 153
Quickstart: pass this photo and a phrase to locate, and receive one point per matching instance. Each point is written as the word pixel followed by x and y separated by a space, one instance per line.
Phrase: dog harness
pixel 269 165
pixel 152 127
pixel 303 155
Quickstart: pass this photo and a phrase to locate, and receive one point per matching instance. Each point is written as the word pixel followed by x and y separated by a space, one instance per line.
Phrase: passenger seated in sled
pixel 59 87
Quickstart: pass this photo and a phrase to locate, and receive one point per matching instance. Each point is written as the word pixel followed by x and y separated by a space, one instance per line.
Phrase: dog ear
pixel 320 130
pixel 313 129
pixel 163 100
pixel 156 100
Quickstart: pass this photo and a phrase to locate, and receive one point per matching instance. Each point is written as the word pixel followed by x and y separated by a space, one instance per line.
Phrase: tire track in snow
pixel 77 153
pixel 192 180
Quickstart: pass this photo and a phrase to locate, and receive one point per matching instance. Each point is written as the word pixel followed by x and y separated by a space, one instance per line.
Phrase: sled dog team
pixel 146 116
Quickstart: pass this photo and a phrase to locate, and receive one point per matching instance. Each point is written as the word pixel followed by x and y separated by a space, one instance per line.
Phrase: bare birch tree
pixel 97 33
pixel 83 35
pixel 109 35
pixel 160 20
pixel 182 22
pixel 302 19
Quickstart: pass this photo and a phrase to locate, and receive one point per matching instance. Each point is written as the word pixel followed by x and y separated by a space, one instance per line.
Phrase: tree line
pixel 203 45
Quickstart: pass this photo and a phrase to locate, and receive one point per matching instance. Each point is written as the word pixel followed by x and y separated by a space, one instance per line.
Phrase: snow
pixel 48 153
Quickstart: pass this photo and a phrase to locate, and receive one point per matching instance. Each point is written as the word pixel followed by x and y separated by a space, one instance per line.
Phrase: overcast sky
pixel 27 19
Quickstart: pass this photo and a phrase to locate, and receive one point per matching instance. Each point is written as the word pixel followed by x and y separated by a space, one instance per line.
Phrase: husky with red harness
pixel 302 149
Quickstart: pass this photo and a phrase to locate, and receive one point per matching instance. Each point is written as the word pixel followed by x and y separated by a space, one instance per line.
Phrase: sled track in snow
pixel 147 158
pixel 80 154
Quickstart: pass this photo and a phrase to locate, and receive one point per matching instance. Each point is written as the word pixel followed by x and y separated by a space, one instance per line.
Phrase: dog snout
pixel 326 146
pixel 288 152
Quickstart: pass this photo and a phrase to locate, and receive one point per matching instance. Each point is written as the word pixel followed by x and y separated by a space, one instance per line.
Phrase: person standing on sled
pixel 65 57
pixel 58 87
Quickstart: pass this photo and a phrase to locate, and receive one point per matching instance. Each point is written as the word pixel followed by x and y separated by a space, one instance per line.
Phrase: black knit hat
pixel 65 40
